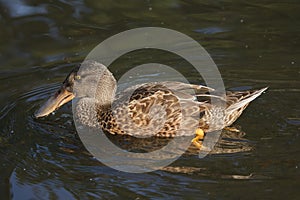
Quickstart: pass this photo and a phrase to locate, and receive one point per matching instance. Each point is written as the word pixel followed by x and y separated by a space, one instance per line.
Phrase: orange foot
pixel 199 136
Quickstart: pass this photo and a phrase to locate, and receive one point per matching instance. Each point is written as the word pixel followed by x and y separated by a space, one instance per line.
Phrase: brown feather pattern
pixel 171 111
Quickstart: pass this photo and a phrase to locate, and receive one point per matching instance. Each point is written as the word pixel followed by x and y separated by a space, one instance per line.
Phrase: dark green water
pixel 254 44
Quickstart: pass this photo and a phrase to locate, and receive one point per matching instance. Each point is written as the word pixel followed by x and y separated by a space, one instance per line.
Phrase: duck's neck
pixel 90 108
pixel 105 92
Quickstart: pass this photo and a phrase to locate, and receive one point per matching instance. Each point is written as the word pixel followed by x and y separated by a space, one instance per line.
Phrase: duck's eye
pixel 77 77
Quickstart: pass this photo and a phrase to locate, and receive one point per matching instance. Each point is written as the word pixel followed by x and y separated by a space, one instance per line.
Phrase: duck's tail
pixel 238 101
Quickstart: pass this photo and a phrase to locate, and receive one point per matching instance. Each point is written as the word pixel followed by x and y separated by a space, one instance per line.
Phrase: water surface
pixel 254 44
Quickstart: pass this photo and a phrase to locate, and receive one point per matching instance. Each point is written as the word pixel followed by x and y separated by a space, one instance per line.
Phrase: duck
pixel 165 109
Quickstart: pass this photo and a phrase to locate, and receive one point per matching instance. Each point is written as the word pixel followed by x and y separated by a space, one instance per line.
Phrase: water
pixel 254 44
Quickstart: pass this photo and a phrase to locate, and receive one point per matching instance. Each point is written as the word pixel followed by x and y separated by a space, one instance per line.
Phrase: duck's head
pixel 89 80
pixel 63 95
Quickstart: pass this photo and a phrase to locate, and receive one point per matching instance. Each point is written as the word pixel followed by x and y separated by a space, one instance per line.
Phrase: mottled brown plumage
pixel 163 109
pixel 153 94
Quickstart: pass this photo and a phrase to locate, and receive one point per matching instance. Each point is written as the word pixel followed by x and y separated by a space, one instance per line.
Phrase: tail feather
pixel 245 101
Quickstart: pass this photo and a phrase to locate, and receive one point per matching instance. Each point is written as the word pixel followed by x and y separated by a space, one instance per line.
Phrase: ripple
pixel 40 93
pixel 18 8
pixel 211 30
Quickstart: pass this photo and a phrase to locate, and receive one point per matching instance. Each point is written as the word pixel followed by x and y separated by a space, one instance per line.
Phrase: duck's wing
pixel 182 89
pixel 159 109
